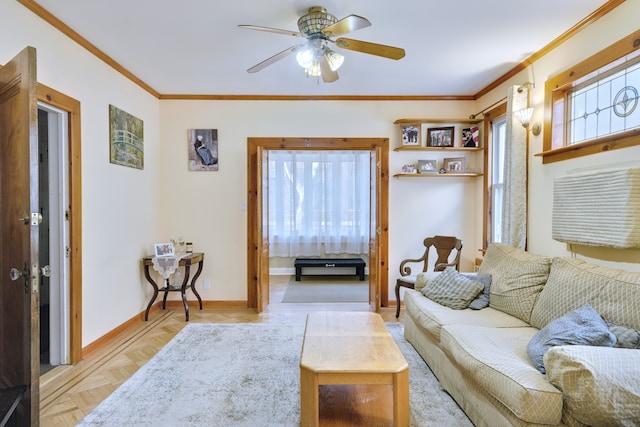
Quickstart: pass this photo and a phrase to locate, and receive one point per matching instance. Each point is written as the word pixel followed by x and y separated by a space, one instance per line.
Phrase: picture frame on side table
pixel 455 165
pixel 427 166
pixel 164 249
pixel 410 134
pixel 440 137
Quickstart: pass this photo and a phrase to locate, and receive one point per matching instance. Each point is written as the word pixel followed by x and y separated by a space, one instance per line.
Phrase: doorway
pixel 53 173
pixel 258 240
pixel 63 125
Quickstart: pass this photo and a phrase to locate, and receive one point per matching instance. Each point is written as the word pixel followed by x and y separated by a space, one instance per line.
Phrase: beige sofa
pixel 480 356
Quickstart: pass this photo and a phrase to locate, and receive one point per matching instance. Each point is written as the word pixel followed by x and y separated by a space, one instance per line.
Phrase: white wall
pixel 210 215
pixel 604 32
pixel 119 204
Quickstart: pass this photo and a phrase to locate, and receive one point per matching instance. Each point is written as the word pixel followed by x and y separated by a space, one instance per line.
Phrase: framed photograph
pixel 470 137
pixel 203 149
pixel 411 134
pixel 164 249
pixel 440 137
pixel 126 139
pixel 427 166
pixel 455 165
pixel 409 169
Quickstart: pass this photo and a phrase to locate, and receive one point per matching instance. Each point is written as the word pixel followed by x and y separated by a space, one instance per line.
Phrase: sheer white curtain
pixel 318 202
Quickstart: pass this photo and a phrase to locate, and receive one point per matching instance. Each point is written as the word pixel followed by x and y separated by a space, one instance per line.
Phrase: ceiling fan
pixel 320 28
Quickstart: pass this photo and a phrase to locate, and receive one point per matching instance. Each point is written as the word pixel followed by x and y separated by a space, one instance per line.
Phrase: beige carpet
pixel 245 375
pixel 326 289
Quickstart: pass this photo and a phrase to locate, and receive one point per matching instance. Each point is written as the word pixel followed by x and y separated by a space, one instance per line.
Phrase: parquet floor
pixel 68 393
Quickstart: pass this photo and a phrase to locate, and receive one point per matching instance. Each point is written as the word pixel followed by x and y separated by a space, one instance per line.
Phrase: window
pixel 319 202
pixel 496 188
pixel 605 107
pixel 592 106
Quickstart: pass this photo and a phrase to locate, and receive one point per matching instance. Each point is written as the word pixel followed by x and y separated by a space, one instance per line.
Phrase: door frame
pixel 63 102
pixel 255 261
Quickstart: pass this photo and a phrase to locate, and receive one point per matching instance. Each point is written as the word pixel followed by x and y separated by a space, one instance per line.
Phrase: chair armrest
pixel 442 266
pixel 406 270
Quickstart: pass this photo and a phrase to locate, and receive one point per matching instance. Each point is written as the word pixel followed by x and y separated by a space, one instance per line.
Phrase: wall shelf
pixel 437 175
pixel 409 148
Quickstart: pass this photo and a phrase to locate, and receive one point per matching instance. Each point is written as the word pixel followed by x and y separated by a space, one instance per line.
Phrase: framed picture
pixel 126 139
pixel 455 165
pixel 164 249
pixel 409 169
pixel 411 134
pixel 440 137
pixel 427 166
pixel 203 149
pixel 470 137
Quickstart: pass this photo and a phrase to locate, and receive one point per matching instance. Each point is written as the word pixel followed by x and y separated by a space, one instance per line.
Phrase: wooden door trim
pixel 72 107
pixel 315 144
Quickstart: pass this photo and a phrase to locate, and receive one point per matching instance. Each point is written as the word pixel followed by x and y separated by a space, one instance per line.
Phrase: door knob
pixel 15 274
pixel 46 271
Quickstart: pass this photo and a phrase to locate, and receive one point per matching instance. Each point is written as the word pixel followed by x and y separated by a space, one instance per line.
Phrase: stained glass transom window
pixel 606 106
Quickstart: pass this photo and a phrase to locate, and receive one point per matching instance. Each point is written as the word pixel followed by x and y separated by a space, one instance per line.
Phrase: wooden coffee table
pixel 350 348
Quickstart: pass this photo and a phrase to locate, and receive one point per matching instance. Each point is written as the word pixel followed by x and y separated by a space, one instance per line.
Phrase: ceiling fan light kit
pixel 318 27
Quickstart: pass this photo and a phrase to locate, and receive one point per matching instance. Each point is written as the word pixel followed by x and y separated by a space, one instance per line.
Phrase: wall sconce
pixel 525 118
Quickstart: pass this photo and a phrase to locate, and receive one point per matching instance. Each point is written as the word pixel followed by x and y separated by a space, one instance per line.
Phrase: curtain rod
pixel 473 116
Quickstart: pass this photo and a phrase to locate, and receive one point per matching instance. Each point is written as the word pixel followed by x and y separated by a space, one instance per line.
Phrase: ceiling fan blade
pixel 346 25
pixel 328 75
pixel 371 48
pixel 272 30
pixel 274 58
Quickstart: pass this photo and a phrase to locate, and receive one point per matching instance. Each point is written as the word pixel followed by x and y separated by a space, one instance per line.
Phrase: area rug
pixel 244 375
pixel 326 289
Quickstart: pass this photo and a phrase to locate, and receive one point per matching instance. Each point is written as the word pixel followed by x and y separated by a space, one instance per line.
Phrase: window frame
pixel 489 117
pixel 557 89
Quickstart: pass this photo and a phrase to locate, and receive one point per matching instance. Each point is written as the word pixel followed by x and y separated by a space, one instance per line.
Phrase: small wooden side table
pixel 186 262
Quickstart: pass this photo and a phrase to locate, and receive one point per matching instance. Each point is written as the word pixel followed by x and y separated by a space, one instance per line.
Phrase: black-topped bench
pixel 358 263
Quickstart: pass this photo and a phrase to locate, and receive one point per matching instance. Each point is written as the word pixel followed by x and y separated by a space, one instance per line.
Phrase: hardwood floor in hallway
pixel 68 393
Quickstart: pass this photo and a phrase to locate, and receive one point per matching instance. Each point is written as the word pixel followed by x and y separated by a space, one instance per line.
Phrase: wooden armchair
pixel 444 246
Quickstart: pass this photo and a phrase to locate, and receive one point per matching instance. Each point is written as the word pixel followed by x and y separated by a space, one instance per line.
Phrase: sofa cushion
pixel 422 279
pixel 572 283
pixel 452 289
pixel 600 385
pixel 496 359
pixel 618 301
pixel 581 326
pixel 431 316
pixel 625 337
pixel 517 277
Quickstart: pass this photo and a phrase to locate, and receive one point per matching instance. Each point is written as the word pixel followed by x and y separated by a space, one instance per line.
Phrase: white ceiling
pixel 453 47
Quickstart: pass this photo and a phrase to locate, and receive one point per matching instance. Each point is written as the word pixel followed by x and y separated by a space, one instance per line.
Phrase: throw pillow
pixel 452 289
pixel 583 326
pixel 625 337
pixel 482 300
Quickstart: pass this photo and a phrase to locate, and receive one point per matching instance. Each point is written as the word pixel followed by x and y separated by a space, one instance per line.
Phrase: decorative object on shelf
pixel 427 166
pixel 455 165
pixel 470 137
pixel 164 249
pixel 443 170
pixel 410 134
pixel 179 245
pixel 189 247
pixel 126 139
pixel 440 137
pixel 203 149
pixel 409 169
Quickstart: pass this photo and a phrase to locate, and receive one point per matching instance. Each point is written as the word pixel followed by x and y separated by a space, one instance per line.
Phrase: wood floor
pixel 68 393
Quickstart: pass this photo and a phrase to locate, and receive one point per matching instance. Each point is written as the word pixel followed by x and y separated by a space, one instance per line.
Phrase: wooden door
pixel 374 221
pixel 19 220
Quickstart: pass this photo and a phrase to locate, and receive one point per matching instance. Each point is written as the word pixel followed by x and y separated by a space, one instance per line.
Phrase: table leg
pixel 309 401
pixel 401 399
pixel 183 291
pixel 166 294
pixel 298 273
pixel 155 291
pixel 193 282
